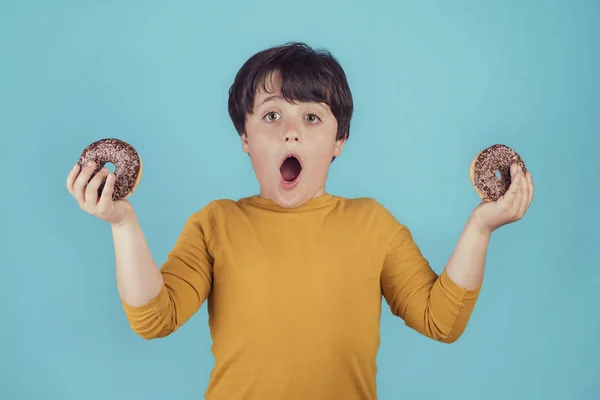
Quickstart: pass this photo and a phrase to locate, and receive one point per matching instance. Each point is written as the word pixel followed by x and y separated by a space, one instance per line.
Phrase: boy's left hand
pixel 509 208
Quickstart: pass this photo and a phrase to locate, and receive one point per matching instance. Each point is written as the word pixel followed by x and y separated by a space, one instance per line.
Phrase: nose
pixel 291 133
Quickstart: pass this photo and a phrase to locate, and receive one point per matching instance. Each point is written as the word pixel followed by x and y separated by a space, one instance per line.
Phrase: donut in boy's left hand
pixel 496 159
pixel 127 162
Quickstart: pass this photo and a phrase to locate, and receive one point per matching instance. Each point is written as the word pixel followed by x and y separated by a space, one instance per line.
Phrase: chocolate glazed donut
pixel 127 162
pixel 496 158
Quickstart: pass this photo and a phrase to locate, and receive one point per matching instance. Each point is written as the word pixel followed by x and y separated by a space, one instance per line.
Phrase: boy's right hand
pixel 85 191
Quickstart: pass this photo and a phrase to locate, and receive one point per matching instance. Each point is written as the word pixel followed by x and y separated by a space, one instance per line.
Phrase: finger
pixel 91 192
pixel 513 189
pixel 82 181
pixel 524 202
pixel 514 170
pixel 518 198
pixel 507 201
pixel 530 181
pixel 71 179
pixel 527 194
pixel 107 192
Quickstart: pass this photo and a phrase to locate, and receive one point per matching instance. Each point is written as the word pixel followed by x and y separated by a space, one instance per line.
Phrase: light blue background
pixel 434 82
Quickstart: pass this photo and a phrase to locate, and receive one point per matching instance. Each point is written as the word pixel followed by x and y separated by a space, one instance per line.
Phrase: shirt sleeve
pixel 431 304
pixel 187 275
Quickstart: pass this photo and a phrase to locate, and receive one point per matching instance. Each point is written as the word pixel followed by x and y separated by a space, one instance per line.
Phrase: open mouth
pixel 290 169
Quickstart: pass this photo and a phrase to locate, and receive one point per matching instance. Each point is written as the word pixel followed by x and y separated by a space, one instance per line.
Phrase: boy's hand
pixel 509 208
pixel 86 194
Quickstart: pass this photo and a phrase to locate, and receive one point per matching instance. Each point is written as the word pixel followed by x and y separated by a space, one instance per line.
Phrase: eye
pixel 312 118
pixel 271 117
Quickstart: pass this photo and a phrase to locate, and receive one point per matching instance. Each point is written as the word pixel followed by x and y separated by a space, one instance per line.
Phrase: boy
pixel 294 276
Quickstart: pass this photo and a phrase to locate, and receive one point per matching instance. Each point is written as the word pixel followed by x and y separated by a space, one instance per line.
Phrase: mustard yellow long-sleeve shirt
pixel 294 295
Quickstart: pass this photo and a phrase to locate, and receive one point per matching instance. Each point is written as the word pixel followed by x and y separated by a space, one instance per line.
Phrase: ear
pixel 337 150
pixel 245 147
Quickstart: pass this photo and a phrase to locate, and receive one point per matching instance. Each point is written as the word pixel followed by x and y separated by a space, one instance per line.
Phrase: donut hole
pixel 110 166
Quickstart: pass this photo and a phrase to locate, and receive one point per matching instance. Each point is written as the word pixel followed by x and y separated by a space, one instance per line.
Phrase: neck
pixel 320 199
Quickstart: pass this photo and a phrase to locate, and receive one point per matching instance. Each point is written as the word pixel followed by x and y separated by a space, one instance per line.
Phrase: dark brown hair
pixel 306 75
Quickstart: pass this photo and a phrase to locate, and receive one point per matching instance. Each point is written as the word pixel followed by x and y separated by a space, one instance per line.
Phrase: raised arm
pixel 158 302
pixel 440 306
pixel 432 305
pixel 467 262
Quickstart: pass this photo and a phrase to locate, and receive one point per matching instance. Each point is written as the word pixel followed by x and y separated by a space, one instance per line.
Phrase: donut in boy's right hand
pixel 496 158
pixel 127 162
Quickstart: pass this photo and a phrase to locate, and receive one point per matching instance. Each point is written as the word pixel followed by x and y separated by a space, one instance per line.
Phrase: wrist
pixel 129 218
pixel 476 223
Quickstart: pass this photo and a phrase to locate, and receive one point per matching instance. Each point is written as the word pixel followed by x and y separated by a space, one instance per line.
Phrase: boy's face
pixel 277 129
